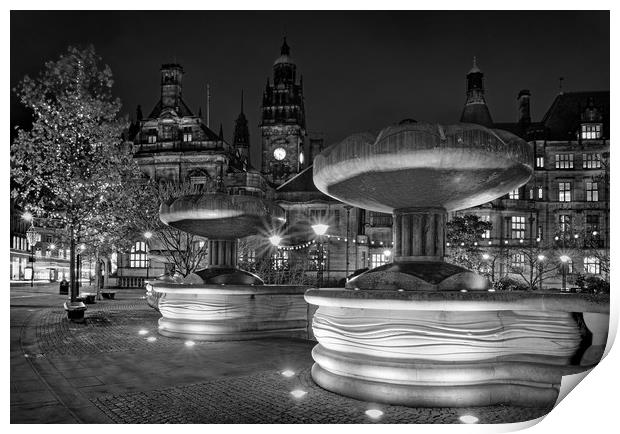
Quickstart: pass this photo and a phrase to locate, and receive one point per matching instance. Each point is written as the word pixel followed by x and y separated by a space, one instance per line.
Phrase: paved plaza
pixel 115 368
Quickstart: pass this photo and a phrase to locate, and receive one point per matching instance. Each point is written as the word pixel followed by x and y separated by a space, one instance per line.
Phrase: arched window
pixel 138 256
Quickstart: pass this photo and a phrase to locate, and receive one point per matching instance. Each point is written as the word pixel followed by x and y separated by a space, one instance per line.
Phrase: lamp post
pixel 147 236
pixel 31 235
pixel 79 266
pixel 564 260
pixel 541 258
pixel 320 230
pixel 346 239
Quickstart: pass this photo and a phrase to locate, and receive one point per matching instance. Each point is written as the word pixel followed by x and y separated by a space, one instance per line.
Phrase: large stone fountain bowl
pixel 221 216
pixel 424 165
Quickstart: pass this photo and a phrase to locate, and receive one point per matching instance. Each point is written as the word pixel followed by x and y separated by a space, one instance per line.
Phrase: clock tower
pixel 283 121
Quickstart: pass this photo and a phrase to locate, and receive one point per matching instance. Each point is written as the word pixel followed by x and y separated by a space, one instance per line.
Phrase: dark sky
pixel 362 70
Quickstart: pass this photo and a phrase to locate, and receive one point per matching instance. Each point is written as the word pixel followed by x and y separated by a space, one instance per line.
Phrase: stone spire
pixel 476 110
pixel 241 137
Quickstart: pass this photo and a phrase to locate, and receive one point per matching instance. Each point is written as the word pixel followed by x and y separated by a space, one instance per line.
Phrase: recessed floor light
pixel 288 373
pixel 373 413
pixel 143 332
pixel 190 343
pixel 298 393
pixel 151 339
pixel 468 418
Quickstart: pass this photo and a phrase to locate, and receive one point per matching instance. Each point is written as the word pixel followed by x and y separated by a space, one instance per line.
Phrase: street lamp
pixel 275 240
pixel 320 230
pixel 541 258
pixel 486 257
pixel 32 236
pixel 564 260
pixel 147 236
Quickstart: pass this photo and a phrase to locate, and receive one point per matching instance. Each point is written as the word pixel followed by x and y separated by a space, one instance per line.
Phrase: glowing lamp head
pixel 564 258
pixel 148 235
pixel 275 240
pixel 595 233
pixel 387 253
pixel 541 257
pixel 320 229
pixel 485 256
pixel 52 246
pixel 143 332
pixel 27 216
pixel 82 246
pixel 190 343
pixel 576 236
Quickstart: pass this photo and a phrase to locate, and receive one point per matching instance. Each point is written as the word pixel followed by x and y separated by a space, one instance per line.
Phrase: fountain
pixel 223 302
pixel 419 331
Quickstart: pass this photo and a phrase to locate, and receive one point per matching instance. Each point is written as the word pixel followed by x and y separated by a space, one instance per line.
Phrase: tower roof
pixel 285 54
pixel 474 69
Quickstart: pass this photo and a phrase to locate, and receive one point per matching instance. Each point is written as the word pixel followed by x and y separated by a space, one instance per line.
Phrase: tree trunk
pixel 97 274
pixel 74 293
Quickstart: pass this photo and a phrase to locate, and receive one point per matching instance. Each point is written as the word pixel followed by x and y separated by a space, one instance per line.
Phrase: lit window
pixel 540 192
pixel 592 265
pixel 591 161
pixel 517 227
pixel 514 194
pixel 487 233
pixel 152 138
pixel 187 137
pixel 564 161
pixel 280 260
pixel 377 259
pixel 540 162
pixel 48 253
pixel 37 253
pixel 592 223
pixel 531 193
pixel 138 256
pixel 517 260
pixel 591 191
pixel 564 192
pixel 591 131
pixel 565 222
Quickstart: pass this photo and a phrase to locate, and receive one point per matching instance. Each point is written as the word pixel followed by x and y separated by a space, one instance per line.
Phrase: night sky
pixel 362 70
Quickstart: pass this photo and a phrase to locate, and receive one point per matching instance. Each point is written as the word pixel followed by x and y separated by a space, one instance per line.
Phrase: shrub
pixel 509 284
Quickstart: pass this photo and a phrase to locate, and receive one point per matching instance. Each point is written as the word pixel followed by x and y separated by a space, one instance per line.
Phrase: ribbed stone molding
pixel 230 312
pixel 222 253
pixel 452 349
pixel 419 234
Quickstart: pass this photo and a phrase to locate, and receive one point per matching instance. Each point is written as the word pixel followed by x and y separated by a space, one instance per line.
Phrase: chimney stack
pixel 523 106
pixel 171 85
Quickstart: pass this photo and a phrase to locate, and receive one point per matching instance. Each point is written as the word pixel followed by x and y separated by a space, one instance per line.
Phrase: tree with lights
pixel 464 233
pixel 72 165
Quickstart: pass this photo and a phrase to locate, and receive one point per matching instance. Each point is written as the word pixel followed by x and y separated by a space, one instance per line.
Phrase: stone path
pixel 115 368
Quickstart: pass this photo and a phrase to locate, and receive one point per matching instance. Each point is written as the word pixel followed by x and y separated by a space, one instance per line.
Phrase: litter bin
pixel 64 287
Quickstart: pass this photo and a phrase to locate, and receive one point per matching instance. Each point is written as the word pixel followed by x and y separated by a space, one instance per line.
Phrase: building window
pixel 565 222
pixel 591 131
pixel 487 233
pixel 539 233
pixel 517 227
pixel 517 260
pixel 138 255
pixel 531 193
pixel 337 218
pixel 564 161
pixel 591 265
pixel 592 224
pixel 151 138
pixel 591 191
pixel 48 253
pixel 591 161
pixel 377 259
pixel 540 192
pixel 540 162
pixel 280 260
pixel 564 192
pixel 187 136
pixel 514 194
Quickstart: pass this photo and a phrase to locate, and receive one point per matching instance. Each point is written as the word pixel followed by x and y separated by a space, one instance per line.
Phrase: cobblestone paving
pixel 109 327
pixel 266 398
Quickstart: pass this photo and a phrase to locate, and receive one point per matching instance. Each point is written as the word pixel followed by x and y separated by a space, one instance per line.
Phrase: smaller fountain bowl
pixel 221 216
pixel 423 165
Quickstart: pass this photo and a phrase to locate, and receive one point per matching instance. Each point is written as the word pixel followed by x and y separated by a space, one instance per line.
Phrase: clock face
pixel 279 153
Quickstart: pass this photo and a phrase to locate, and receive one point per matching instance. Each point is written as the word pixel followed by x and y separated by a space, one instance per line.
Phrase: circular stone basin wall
pixel 230 312
pixel 446 349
